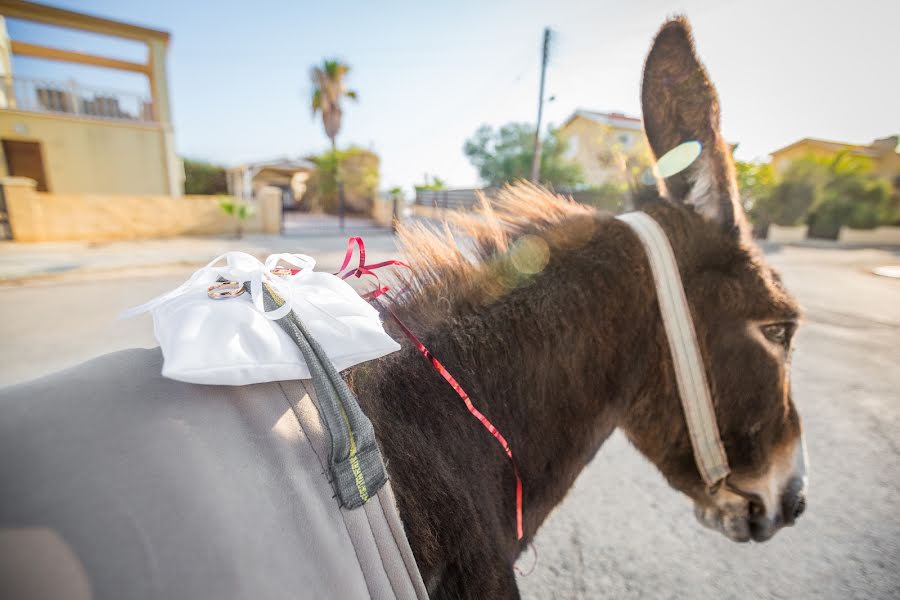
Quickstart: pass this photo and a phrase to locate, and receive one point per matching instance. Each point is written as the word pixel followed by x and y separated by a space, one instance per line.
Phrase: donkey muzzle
pixel 755 509
pixel 793 502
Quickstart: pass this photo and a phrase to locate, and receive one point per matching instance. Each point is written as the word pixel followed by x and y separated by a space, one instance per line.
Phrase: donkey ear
pixel 680 105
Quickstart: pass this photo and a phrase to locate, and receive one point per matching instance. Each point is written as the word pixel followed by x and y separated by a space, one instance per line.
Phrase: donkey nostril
pixel 793 502
pixel 792 507
pixel 801 506
pixel 760 526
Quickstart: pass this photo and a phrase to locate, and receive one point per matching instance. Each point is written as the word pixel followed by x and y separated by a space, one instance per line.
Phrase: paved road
pixel 621 532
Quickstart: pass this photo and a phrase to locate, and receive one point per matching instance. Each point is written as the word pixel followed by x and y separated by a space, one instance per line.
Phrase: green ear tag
pixel 678 158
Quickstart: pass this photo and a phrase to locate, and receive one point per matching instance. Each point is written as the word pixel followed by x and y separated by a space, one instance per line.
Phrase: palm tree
pixel 329 89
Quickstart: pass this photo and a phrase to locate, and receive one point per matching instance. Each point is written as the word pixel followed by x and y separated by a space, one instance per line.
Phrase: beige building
pixel 71 138
pixel 602 142
pixel 881 154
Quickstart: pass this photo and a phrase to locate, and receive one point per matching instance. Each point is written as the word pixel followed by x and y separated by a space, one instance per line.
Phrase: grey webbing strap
pixel 696 400
pixel 355 464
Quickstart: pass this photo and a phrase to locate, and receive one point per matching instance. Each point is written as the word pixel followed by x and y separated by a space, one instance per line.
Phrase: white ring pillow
pixel 234 341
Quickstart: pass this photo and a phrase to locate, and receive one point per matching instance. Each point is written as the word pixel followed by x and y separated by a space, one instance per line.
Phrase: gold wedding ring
pixel 225 289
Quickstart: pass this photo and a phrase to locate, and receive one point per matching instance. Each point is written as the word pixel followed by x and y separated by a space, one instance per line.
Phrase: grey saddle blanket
pixel 118 483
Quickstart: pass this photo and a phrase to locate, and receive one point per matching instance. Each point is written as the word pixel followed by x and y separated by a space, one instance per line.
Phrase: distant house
pixel 73 138
pixel 881 154
pixel 290 175
pixel 596 141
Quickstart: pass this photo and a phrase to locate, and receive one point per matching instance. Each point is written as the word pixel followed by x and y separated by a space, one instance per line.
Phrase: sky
pixel 428 73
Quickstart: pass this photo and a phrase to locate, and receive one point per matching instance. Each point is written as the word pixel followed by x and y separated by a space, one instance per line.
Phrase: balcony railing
pixel 70 98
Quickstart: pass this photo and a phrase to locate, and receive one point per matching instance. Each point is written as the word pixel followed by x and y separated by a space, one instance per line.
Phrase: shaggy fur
pixel 545 312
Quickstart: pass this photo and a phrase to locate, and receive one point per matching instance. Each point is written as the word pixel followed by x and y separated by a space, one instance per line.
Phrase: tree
pixel 761 198
pixel 329 90
pixel 504 155
pixel 755 182
pixel 355 169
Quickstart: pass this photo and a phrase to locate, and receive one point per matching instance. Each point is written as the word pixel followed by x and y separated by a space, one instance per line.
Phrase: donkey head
pixel 743 317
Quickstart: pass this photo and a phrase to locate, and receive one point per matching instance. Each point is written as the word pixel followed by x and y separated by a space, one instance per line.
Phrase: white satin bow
pixel 241 268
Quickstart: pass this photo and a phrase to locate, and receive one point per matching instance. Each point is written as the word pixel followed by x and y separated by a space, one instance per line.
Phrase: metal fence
pixel 457 199
pixel 71 98
pixel 467 198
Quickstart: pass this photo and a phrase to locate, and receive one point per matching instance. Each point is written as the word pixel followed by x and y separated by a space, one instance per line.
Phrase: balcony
pixel 72 99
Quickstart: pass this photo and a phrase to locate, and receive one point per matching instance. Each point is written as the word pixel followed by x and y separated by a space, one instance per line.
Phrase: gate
pixel 295 221
pixel 5 228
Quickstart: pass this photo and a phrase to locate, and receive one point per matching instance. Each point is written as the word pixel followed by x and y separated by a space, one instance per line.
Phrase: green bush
pixel 787 203
pixel 848 193
pixel 201 177
pixel 432 183
pixel 891 210
pixel 241 211
pixel 825 193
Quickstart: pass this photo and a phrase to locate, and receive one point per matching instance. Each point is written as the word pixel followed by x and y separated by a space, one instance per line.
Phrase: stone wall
pixel 44 217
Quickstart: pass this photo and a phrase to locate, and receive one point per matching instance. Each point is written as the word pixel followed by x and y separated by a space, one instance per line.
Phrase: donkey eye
pixel 778 333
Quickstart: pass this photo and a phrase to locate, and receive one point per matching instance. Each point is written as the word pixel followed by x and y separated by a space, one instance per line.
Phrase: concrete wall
pixel 383 210
pixel 780 234
pixel 92 156
pixel 880 236
pixel 269 213
pixel 44 217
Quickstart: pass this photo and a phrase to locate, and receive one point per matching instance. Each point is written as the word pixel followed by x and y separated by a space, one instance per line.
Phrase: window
pixel 572 148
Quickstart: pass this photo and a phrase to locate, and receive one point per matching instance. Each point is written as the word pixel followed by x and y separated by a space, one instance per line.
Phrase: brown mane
pixel 461 262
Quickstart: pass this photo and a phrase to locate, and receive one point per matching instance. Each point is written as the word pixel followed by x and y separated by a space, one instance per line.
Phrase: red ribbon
pixel 364 269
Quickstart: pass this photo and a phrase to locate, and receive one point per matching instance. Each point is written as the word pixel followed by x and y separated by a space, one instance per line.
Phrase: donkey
pixel 119 482
pixel 554 330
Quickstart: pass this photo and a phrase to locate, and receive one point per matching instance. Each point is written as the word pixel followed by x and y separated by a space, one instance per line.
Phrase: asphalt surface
pixel 622 532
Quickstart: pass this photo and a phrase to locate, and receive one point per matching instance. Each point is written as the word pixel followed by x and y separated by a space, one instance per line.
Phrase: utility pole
pixel 536 160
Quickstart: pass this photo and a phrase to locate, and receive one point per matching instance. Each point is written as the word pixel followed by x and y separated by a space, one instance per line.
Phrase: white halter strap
pixel 693 388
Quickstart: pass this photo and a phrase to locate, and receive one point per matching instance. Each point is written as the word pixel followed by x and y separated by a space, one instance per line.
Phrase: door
pixel 24 159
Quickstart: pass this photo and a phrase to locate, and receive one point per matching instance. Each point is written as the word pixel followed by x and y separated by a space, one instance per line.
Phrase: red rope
pixel 364 269
pixel 471 407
